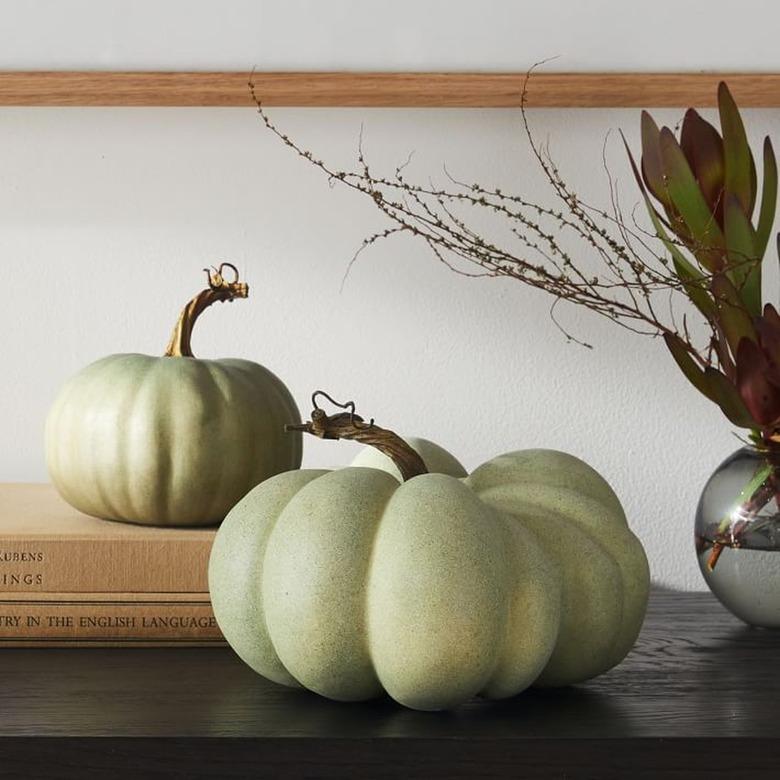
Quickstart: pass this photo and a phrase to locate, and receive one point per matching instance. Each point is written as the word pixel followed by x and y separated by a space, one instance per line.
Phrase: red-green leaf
pixel 773 375
pixel 734 318
pixel 740 167
pixel 778 246
pixel 721 346
pixel 640 179
pixel 766 214
pixel 768 329
pixel 771 316
pixel 688 366
pixel 744 263
pixel 728 399
pixel 760 397
pixel 708 243
pixel 686 273
pixel 652 167
pixel 703 148
pixel 691 278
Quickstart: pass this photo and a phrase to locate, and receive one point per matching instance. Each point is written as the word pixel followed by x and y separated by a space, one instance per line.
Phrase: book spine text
pixel 103 565
pixel 102 621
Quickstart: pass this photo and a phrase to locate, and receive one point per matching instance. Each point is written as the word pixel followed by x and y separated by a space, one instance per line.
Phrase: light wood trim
pixel 440 90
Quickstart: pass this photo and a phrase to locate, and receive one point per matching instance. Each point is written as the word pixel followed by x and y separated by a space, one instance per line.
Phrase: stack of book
pixel 70 579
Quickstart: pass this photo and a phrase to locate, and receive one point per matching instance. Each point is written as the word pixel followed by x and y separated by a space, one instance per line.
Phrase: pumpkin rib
pixel 549 468
pixel 590 577
pixel 437 594
pixel 125 399
pixel 368 567
pixel 636 588
pixel 220 382
pixel 288 411
pixel 280 405
pixel 259 449
pixel 533 614
pixel 135 449
pixel 236 568
pixel 587 511
pixel 239 384
pixel 537 514
pixel 259 591
pixel 545 482
pixel 194 403
pixel 103 466
pixel 371 564
pixel 623 547
pixel 163 392
pixel 315 577
pixel 174 400
pixel 265 381
pixel 70 444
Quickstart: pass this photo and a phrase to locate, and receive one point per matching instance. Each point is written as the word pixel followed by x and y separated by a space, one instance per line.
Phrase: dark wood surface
pixel 698 697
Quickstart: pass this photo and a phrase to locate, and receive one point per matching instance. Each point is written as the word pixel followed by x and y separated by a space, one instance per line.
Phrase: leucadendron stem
pixel 757 493
pixel 348 425
pixel 219 289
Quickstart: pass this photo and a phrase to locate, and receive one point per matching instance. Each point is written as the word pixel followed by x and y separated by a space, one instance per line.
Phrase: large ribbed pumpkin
pixel 434 589
pixel 171 440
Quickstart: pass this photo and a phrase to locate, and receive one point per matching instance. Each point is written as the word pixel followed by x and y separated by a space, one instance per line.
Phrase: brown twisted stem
pixel 219 289
pixel 348 425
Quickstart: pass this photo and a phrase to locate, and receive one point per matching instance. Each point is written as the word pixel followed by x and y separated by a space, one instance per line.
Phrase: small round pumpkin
pixel 434 589
pixel 170 440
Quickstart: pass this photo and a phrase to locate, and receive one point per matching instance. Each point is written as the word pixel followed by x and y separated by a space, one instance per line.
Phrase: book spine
pixel 91 619
pixel 95 565
pixel 19 643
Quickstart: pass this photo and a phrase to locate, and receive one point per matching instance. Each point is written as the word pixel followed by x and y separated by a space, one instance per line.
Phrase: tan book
pixel 46 546
pixel 117 619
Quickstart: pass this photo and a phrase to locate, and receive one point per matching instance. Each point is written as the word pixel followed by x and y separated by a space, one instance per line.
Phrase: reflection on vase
pixel 738 535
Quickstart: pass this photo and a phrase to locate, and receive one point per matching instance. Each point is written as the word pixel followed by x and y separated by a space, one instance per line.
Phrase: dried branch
pixel 632 269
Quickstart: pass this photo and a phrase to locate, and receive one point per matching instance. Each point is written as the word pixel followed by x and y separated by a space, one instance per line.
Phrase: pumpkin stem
pixel 348 425
pixel 219 289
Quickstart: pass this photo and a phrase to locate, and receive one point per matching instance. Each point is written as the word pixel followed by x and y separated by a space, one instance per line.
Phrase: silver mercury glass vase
pixel 737 535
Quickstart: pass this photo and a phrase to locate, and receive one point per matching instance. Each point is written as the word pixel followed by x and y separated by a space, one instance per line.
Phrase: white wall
pixel 389 34
pixel 108 215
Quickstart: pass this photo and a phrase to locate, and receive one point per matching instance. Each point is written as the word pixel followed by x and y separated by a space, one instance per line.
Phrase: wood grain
pixel 697 698
pixel 434 90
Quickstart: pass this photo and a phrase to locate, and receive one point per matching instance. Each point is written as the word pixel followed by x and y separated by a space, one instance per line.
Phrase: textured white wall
pixel 108 215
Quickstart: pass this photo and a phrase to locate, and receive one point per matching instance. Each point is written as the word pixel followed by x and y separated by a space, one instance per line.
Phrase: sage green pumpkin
pixel 436 589
pixel 350 583
pixel 170 440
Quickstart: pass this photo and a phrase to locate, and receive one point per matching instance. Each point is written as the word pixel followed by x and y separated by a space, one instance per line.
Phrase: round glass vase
pixel 737 535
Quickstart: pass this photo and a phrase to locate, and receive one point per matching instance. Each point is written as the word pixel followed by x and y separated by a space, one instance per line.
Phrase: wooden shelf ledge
pixel 423 90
